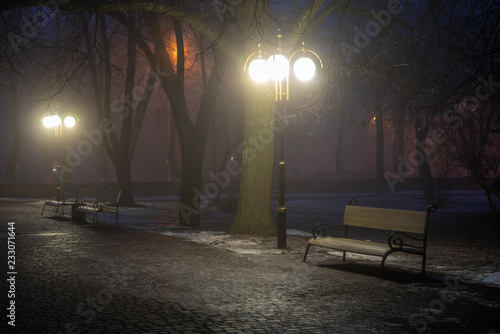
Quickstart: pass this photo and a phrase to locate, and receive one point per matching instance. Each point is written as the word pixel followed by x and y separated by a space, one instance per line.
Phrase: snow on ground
pixel 492 278
pixel 460 248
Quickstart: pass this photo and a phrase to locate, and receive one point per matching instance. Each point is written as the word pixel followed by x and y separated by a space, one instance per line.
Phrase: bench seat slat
pixel 352 245
pixel 386 219
pixel 84 209
pixel 52 203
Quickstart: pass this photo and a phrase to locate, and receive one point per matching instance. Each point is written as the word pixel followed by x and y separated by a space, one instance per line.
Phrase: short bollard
pixel 281 218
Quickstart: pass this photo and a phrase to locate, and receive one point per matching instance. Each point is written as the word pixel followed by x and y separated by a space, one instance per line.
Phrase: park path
pixel 74 278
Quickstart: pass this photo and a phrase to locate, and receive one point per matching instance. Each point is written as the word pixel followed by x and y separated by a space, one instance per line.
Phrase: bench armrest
pixel 323 230
pixel 83 201
pixel 400 240
pixel 97 206
pixel 61 199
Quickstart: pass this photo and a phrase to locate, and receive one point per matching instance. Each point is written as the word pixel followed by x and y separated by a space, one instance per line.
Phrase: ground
pixel 463 241
pixel 137 278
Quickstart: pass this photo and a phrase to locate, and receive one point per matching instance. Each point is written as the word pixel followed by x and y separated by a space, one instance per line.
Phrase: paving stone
pixel 107 279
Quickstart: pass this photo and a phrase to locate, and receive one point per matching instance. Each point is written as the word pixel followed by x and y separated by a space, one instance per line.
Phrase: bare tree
pixel 474 146
pixel 119 120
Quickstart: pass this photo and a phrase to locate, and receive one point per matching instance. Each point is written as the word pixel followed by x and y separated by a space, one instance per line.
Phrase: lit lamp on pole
pixel 262 68
pixel 52 119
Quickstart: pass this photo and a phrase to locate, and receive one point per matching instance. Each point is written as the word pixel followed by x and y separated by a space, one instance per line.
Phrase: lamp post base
pixel 281 218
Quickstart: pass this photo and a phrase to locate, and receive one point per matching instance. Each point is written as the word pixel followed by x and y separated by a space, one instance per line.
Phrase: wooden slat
pixel 351 245
pixel 386 219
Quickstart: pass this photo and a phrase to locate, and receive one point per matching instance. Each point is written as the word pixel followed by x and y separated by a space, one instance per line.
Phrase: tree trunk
pixel 103 168
pixel 398 147
pixel 173 169
pixel 124 179
pixel 16 133
pixel 192 197
pixel 253 212
pixel 420 159
pixel 338 146
pixel 193 139
pixel 125 152
pixel 493 209
pixel 379 125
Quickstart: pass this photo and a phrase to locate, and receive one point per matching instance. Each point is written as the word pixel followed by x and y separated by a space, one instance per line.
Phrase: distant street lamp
pixel 304 63
pixel 52 119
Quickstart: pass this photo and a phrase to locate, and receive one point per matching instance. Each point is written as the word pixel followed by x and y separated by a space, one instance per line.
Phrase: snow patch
pixel 493 278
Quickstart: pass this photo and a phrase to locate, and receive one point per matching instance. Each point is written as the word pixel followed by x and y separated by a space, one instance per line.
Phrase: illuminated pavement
pixel 73 278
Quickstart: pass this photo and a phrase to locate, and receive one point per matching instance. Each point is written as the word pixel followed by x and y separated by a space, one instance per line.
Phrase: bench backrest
pixel 109 196
pixel 70 193
pixel 386 219
pixel 70 190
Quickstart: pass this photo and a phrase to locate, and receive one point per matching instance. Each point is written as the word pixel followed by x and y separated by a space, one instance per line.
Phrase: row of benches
pixel 107 200
pixel 409 227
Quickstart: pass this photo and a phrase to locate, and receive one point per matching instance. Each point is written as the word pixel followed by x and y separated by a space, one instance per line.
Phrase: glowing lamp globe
pixel 278 66
pixel 258 70
pixel 304 69
pixel 47 121
pixel 56 120
pixel 51 121
pixel 69 121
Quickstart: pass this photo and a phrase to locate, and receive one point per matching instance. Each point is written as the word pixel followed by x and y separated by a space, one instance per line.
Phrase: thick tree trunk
pixel 253 212
pixel 124 179
pixel 103 168
pixel 193 140
pixel 192 197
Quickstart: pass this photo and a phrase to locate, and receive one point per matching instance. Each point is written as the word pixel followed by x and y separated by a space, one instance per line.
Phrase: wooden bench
pixel 107 200
pixel 409 232
pixel 69 196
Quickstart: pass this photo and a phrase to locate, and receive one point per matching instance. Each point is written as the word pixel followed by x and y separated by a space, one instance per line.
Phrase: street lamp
pixel 52 119
pixel 304 63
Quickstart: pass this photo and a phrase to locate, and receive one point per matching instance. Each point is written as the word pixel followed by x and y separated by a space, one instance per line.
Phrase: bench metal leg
pixel 381 268
pixel 383 262
pixel 307 250
pixel 343 256
pixel 57 209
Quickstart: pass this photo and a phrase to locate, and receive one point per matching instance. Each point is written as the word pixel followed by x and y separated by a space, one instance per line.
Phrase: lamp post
pixel 51 119
pixel 264 67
